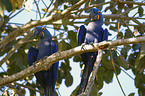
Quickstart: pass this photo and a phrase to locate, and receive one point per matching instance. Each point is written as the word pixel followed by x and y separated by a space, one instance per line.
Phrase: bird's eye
pixel 99 12
pixel 43 28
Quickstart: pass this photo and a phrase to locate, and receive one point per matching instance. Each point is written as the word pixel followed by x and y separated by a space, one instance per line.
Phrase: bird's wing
pixel 55 65
pixel 32 55
pixel 81 34
pixel 105 35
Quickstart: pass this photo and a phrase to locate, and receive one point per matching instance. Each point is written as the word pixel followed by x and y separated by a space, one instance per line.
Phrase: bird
pixel 93 33
pixel 46 47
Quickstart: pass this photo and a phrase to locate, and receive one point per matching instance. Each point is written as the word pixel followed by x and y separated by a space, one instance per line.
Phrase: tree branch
pixel 48 61
pixel 29 87
pixel 130 2
pixel 107 16
pixel 116 73
pixel 93 74
pixel 37 8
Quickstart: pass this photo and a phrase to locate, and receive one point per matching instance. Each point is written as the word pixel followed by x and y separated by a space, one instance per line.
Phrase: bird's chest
pixel 44 49
pixel 93 36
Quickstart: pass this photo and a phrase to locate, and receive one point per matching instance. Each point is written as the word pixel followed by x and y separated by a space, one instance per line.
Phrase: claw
pixel 83 44
pixel 92 44
pixel 36 62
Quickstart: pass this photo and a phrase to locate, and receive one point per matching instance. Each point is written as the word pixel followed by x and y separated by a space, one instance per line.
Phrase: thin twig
pixel 91 6
pixel 37 8
pixel 29 87
pixel 47 8
pixel 127 11
pixel 129 2
pixel 44 3
pixel 128 27
pixel 17 13
pixel 116 73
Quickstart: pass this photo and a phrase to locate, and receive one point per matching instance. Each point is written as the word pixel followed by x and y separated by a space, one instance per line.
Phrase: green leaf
pixel 8 5
pixel 94 90
pixel 98 2
pixel 61 75
pixel 136 46
pixel 140 81
pixel 72 37
pixel 140 11
pixel 122 62
pixel 128 34
pixel 108 76
pixel 131 94
pixel 106 62
pixel 62 46
pixel 77 58
pixel 120 5
pixel 114 55
pixel 68 80
pixel 57 27
pixel 125 50
pixel 132 59
pixel 99 78
pixel 120 35
pixel 65 22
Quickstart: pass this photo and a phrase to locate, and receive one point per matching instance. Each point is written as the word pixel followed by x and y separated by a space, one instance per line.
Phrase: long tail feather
pixel 49 91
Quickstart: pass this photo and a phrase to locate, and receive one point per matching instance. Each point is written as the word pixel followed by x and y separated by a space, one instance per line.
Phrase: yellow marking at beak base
pixel 98 17
pixel 43 33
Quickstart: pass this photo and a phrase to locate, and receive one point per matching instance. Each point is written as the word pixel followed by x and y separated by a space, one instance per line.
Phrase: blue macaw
pixel 46 47
pixel 93 33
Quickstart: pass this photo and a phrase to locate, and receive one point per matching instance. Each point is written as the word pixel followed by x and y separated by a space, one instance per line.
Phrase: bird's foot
pixel 92 43
pixel 37 62
pixel 83 44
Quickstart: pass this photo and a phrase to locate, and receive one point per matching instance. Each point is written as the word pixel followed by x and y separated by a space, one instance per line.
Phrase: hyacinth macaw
pixel 93 33
pixel 46 47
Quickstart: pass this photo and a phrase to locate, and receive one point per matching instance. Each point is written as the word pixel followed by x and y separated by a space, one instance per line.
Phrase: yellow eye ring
pixel 99 12
pixel 43 28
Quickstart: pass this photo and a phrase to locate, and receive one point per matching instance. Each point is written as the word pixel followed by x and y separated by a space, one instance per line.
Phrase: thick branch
pixel 47 62
pixel 72 23
pixel 42 21
pixel 107 16
pixel 130 2
pixel 93 74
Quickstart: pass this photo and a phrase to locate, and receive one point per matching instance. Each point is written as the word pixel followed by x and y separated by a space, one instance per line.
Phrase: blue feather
pixel 93 33
pixel 46 47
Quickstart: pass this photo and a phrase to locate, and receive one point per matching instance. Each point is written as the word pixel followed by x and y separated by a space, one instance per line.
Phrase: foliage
pixel 65 31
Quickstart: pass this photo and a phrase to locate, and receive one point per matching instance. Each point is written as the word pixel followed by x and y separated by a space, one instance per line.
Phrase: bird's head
pixel 42 33
pixel 95 15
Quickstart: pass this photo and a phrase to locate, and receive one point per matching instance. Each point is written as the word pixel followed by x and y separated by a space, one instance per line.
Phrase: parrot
pixel 93 33
pixel 46 47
